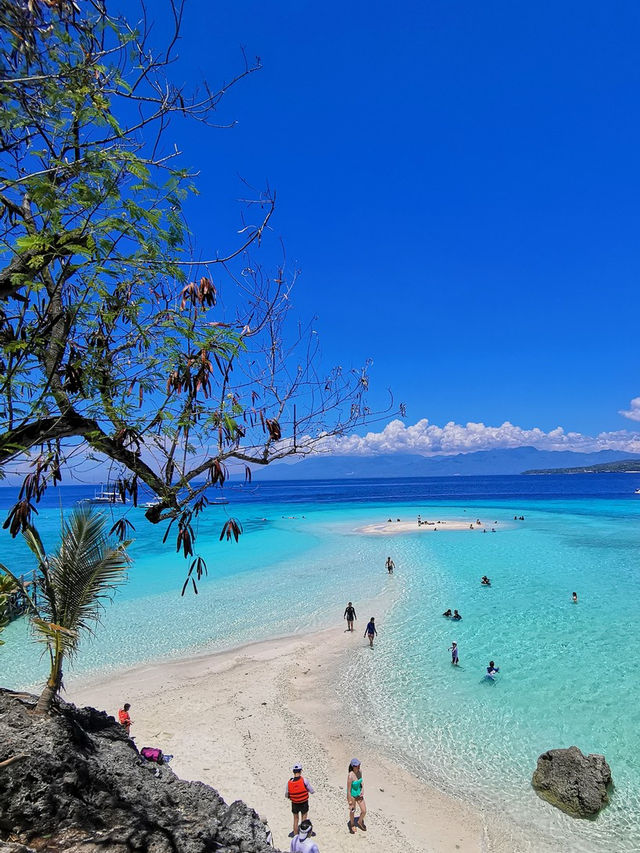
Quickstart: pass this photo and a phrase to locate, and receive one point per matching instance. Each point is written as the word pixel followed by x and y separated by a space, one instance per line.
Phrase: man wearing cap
pixel 302 842
pixel 298 790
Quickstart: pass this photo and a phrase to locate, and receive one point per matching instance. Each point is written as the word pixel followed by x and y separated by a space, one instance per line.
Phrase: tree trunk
pixel 52 687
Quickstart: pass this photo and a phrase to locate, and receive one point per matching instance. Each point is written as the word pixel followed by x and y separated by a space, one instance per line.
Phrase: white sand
pixel 390 527
pixel 239 720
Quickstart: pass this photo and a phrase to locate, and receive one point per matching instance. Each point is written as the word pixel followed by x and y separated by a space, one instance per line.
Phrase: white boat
pixel 637 492
pixel 104 496
pixel 219 501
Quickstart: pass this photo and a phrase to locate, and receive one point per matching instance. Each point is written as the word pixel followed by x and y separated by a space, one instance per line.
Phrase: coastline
pixel 239 719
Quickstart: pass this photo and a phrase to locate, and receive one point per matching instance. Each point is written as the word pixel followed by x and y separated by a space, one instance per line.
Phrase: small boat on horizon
pixel 104 495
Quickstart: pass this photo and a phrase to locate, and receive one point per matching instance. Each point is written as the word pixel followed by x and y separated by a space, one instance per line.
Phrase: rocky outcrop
pixel 576 783
pixel 77 783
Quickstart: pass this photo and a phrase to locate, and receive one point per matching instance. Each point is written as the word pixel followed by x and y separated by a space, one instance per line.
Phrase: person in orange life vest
pixel 124 718
pixel 298 790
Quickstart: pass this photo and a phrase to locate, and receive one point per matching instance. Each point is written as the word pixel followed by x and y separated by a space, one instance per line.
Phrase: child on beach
pixel 454 653
pixel 124 719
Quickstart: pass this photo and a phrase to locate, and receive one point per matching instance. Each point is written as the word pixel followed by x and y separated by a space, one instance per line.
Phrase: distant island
pixel 479 463
pixel 624 466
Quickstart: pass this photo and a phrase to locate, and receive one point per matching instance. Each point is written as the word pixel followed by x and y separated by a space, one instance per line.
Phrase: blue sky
pixel 458 183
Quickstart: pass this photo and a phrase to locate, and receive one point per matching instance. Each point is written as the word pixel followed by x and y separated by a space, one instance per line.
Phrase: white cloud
pixel 428 439
pixel 633 413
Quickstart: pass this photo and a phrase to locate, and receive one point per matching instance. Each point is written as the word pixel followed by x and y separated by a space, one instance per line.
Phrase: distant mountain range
pixel 626 466
pixel 515 460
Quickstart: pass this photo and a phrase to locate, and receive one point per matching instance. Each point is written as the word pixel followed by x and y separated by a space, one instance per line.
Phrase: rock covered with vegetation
pixel 74 781
pixel 576 783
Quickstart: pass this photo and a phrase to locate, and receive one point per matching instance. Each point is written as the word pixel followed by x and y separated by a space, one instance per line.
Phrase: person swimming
pixel 492 670
pixel 456 615
pixel 485 580
pixel 447 612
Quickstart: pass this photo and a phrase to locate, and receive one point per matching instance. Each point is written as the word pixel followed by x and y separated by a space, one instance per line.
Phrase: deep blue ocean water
pixel 567 671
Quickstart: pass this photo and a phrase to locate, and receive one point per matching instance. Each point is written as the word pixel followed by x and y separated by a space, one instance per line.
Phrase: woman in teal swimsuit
pixel 355 797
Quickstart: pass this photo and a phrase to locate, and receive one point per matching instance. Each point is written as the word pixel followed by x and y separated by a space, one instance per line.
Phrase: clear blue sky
pixel 459 183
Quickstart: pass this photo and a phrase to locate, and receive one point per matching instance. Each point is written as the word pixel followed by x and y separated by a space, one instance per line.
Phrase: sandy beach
pixel 239 720
pixel 390 527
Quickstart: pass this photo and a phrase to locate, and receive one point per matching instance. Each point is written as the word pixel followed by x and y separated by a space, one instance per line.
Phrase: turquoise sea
pixel 568 672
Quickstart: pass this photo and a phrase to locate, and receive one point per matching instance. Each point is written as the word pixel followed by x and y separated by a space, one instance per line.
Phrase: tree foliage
pixel 114 341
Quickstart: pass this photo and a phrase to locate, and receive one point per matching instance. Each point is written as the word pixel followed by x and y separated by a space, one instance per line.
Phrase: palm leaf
pixel 84 572
pixel 60 638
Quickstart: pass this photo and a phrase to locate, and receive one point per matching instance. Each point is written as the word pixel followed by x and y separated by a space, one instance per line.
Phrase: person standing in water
pixel 355 797
pixel 350 615
pixel 370 631
pixel 454 653
pixel 390 565
pixel 574 596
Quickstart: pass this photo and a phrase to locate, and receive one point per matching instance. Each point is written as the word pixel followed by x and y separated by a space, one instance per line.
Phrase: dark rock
pixel 83 786
pixel 576 783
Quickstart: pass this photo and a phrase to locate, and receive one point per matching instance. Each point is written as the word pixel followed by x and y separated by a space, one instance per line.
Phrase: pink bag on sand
pixel 152 754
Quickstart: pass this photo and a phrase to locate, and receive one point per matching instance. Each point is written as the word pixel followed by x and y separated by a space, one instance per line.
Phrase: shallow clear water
pixel 567 671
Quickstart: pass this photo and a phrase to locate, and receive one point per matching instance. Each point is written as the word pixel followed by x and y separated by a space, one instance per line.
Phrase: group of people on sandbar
pixel 297 792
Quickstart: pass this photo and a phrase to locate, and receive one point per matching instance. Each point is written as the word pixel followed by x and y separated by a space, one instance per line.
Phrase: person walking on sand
pixel 124 719
pixel 454 653
pixel 390 564
pixel 350 615
pixel 302 843
pixel 371 631
pixel 355 797
pixel 298 790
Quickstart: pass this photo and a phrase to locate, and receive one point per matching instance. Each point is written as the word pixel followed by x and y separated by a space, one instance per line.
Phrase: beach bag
pixel 152 754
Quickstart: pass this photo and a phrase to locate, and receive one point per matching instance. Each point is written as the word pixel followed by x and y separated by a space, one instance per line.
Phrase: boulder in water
pixel 576 783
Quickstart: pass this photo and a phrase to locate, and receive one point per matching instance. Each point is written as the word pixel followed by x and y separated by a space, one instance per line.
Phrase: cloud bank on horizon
pixel 428 439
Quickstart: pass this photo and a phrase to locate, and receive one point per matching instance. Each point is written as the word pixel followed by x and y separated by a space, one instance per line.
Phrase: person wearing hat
pixel 355 797
pixel 298 790
pixel 302 842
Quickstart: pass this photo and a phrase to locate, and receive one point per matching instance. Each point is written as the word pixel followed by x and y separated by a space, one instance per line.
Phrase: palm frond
pixel 61 638
pixel 84 572
pixel 33 540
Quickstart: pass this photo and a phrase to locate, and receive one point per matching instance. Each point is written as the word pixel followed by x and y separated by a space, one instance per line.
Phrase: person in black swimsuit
pixel 350 615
